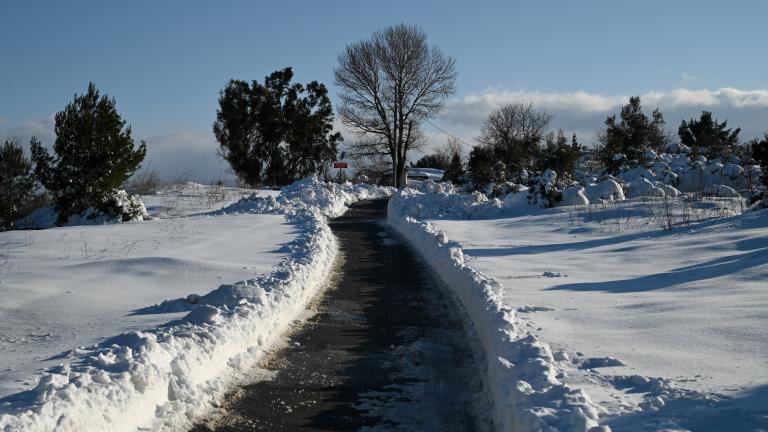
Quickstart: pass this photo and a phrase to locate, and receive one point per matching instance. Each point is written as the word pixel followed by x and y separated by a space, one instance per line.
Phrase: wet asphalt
pixel 384 350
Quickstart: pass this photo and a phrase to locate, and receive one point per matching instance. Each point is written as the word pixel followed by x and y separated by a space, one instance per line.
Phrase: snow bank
pixel 521 373
pixel 574 196
pixel 167 377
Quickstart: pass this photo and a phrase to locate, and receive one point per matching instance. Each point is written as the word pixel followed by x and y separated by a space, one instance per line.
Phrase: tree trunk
pixel 400 173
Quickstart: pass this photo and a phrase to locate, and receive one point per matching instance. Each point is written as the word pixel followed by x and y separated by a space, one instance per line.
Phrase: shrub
pixel 543 190
pixel 709 137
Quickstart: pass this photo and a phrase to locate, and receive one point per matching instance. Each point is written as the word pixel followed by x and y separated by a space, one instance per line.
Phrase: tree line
pixel 274 132
pixel 516 145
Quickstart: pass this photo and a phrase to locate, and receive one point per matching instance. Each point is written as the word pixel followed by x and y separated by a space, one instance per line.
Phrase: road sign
pixel 340 165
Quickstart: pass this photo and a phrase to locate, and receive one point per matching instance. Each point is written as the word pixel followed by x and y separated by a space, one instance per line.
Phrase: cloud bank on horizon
pixel 192 154
pixel 583 112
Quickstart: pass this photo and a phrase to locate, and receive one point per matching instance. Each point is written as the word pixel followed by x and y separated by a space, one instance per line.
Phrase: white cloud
pixel 583 112
pixel 592 102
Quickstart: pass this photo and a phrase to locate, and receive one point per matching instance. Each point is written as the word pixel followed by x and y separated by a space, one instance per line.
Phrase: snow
pixel 608 189
pixel 189 198
pixel 520 371
pixel 160 374
pixel 629 326
pixel 77 286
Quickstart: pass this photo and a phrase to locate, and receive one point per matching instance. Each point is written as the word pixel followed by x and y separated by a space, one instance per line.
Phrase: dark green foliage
pixel 277 132
pixel 16 183
pixel 760 154
pixel 94 155
pixel 560 156
pixel 709 137
pixel 485 167
pixel 435 160
pixel 454 172
pixel 632 136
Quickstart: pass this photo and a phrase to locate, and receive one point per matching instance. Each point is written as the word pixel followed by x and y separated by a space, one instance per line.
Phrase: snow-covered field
pixel 590 317
pixel 77 286
pixel 660 329
pixel 90 300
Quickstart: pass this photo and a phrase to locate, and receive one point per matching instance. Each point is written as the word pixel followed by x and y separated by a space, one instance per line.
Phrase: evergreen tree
pixel 632 136
pixel 275 132
pixel 94 155
pixel 16 182
pixel 485 166
pixel 709 137
pixel 560 156
pixel 455 170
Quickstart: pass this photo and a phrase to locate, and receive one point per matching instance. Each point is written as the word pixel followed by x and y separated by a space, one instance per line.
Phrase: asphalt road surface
pixel 385 350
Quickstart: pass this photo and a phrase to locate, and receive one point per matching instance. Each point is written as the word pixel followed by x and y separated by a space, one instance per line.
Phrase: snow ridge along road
pixel 384 350
pixel 167 377
pixel 520 370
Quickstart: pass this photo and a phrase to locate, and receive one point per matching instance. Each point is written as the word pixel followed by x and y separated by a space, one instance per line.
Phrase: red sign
pixel 339 164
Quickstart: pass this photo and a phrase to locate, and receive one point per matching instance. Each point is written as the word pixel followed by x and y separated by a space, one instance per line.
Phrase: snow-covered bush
pixel 722 191
pixel 574 196
pixel 759 205
pixel 543 190
pixel 498 190
pixel 119 204
pixel 606 189
pixel 642 187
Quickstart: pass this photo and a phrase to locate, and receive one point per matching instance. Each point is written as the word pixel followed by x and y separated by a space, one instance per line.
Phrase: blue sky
pixel 165 61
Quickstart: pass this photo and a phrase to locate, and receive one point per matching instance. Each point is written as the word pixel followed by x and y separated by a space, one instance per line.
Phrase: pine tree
pixel 560 156
pixel 455 170
pixel 709 137
pixel 94 155
pixel 275 132
pixel 632 136
pixel 16 182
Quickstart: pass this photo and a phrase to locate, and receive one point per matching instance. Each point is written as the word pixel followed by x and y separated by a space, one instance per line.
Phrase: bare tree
pixel 515 131
pixel 388 85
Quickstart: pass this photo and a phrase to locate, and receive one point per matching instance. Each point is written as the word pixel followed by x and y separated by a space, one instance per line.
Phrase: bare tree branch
pixel 389 84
